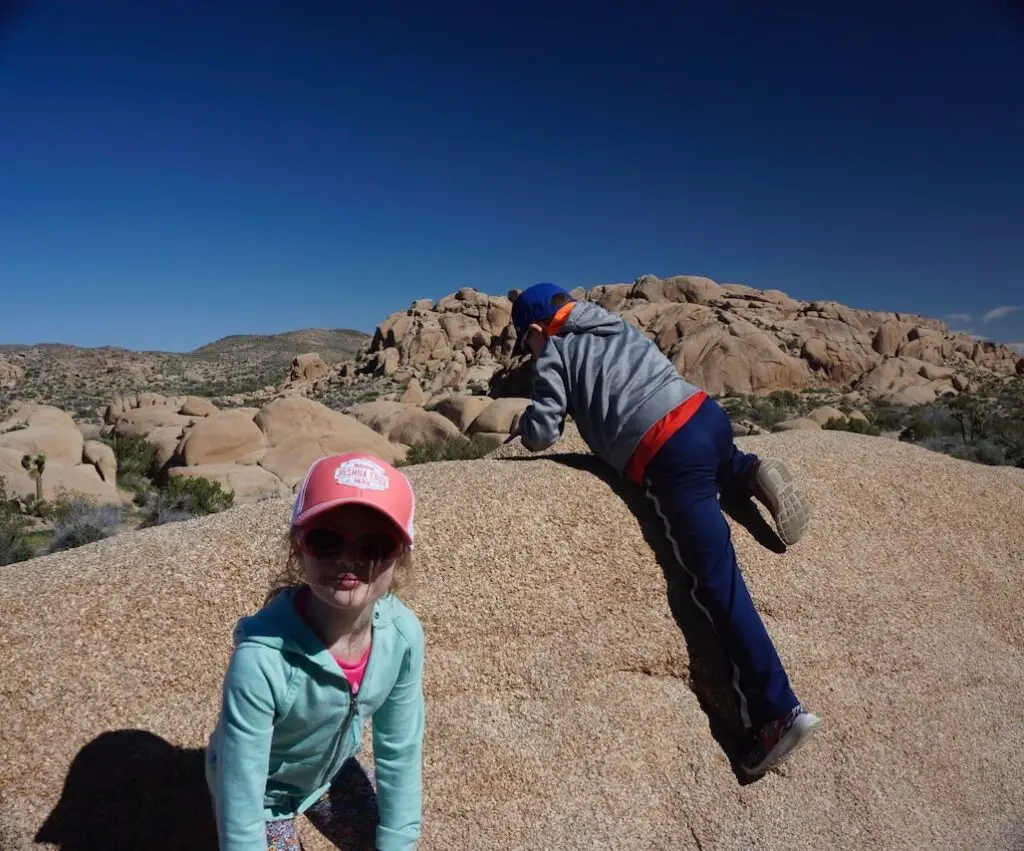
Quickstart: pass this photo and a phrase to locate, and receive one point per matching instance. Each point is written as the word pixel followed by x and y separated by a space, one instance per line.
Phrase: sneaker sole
pixel 787 747
pixel 786 502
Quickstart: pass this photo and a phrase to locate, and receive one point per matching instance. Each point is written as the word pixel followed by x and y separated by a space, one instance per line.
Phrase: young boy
pixel 639 415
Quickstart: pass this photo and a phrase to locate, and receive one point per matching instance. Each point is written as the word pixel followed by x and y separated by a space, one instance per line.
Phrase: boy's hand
pixel 513 431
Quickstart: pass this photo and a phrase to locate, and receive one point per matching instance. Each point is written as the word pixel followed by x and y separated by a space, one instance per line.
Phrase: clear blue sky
pixel 171 173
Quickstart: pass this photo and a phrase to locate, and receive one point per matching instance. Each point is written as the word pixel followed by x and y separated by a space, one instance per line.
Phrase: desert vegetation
pixel 457 448
pixel 32 526
pixel 985 425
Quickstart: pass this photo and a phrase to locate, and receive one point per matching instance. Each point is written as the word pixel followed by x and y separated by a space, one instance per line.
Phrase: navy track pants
pixel 683 481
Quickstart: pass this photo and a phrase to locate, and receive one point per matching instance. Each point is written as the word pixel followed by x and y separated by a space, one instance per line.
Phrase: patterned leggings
pixel 346 814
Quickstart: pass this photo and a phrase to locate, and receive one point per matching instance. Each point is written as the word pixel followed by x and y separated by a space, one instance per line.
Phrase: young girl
pixel 331 648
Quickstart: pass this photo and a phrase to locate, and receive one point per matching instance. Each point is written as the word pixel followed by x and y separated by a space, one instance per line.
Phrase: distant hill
pixel 80 379
pixel 333 344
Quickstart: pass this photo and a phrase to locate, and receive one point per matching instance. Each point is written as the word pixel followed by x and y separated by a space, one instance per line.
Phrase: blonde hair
pixel 291 574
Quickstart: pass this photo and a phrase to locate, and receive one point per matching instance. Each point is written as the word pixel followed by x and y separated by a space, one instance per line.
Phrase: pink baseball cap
pixel 355 478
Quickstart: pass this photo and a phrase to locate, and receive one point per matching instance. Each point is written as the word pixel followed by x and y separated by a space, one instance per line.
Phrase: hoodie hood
pixel 589 318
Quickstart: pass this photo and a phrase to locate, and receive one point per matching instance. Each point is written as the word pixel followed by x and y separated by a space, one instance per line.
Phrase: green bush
pixel 855 425
pixel 917 429
pixel 457 448
pixel 988 453
pixel 784 399
pixel 197 495
pixel 888 417
pixel 183 498
pixel 766 413
pixel 134 459
pixel 15 540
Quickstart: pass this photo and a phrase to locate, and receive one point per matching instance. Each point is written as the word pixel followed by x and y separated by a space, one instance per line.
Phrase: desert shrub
pixel 15 543
pixel 456 448
pixel 197 495
pixel 766 413
pixel 888 417
pixel 916 430
pixel 134 459
pixel 183 498
pixel 1015 452
pixel 989 453
pixel 734 406
pixel 972 414
pixel 857 426
pixel 784 399
pixel 78 521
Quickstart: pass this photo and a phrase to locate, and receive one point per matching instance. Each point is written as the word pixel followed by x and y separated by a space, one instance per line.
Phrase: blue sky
pixel 171 173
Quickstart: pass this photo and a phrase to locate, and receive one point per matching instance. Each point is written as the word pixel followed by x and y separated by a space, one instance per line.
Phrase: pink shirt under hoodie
pixel 353 671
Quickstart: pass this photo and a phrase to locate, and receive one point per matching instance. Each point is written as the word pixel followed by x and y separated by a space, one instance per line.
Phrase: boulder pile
pixel 728 338
pixel 262 452
pixel 72 462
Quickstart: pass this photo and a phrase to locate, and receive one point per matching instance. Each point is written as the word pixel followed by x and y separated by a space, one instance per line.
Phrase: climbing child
pixel 640 416
pixel 331 648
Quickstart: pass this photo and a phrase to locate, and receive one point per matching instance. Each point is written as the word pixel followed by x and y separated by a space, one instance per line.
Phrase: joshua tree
pixel 34 465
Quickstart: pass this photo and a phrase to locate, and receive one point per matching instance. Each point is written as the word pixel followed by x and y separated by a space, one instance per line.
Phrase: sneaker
pixel 779 739
pixel 773 484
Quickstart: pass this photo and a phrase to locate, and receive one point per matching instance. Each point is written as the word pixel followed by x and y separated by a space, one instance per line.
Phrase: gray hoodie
pixel 609 377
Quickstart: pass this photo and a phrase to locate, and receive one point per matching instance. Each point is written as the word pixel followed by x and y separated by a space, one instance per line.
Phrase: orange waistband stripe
pixel 658 434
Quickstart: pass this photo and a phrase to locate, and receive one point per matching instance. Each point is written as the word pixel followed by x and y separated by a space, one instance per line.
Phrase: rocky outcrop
pixel 461 410
pixel 403 423
pixel 728 338
pixel 73 465
pixel 825 413
pixel 574 698
pixel 220 437
pixel 102 457
pixel 10 375
pixel 906 381
pixel 308 374
pixel 497 417
pixel 799 424
pixel 197 406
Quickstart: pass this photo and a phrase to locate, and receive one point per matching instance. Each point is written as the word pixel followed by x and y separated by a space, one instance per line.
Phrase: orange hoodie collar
pixel 558 320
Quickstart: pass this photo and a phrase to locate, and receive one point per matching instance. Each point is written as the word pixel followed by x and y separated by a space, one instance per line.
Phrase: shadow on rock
pixel 710 669
pixel 130 789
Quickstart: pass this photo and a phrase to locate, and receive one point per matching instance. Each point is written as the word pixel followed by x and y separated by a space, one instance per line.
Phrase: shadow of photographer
pixel 131 789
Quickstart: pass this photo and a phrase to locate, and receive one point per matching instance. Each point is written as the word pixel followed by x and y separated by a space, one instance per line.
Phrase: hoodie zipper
pixel 352 710
pixel 339 737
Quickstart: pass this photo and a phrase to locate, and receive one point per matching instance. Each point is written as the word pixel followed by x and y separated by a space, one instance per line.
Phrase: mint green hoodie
pixel 288 721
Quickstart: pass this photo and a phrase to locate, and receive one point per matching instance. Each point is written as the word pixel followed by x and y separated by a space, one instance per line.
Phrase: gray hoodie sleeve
pixel 543 422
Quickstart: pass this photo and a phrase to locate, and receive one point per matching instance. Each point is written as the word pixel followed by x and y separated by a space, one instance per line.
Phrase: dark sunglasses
pixel 371 547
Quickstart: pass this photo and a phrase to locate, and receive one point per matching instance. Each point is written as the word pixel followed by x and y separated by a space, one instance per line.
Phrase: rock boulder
pixel 587 708
pixel 219 438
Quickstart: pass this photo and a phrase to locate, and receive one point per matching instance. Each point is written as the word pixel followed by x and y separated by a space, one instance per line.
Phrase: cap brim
pixel 311 514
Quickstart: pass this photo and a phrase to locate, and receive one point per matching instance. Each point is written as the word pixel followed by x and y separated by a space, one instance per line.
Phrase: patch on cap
pixel 363 474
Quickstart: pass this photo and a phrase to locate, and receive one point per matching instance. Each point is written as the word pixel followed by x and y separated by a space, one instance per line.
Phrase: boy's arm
pixel 398 751
pixel 243 754
pixel 543 422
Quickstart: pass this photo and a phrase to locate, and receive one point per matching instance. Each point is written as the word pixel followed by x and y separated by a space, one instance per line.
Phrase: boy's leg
pixel 282 836
pixel 347 813
pixel 743 475
pixel 682 483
